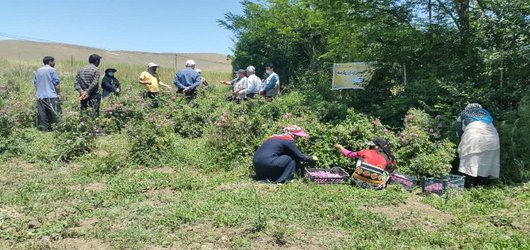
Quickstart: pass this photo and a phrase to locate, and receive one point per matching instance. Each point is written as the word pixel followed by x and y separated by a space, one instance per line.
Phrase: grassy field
pixel 101 199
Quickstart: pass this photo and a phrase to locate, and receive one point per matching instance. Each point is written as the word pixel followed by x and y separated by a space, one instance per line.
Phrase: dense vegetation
pixel 146 184
pixel 179 176
pixel 453 52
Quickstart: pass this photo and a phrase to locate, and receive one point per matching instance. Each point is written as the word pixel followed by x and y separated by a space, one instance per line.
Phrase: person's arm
pixel 95 82
pixel 77 84
pixel 143 79
pixel 270 85
pixel 347 153
pixel 244 87
pixel 459 129
pixel 165 85
pixel 177 82
pixel 291 146
pixel 196 81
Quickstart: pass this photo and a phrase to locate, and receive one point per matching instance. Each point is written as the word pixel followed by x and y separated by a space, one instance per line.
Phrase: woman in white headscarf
pixel 479 148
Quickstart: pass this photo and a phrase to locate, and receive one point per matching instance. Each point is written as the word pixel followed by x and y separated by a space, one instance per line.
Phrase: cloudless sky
pixel 186 26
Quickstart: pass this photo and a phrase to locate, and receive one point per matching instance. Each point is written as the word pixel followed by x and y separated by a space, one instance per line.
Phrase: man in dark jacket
pixel 110 84
pixel 278 158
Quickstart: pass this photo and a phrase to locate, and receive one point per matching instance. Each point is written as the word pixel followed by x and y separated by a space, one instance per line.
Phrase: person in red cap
pixel 278 158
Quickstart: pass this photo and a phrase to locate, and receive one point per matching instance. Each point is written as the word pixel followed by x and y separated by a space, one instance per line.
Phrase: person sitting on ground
pixel 278 158
pixel 374 165
pixel 110 84
pixel 479 148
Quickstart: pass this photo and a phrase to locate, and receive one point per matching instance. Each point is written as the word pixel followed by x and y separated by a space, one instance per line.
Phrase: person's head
pixel 94 59
pixel 383 145
pixel 198 71
pixel 190 64
pixel 241 73
pixel 295 131
pixel 251 70
pixel 152 67
pixel 473 106
pixel 49 60
pixel 269 68
pixel 110 72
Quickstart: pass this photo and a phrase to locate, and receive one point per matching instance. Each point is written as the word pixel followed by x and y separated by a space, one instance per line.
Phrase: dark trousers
pixel 281 170
pixel 93 102
pixel 49 110
pixel 189 96
pixel 154 98
pixel 471 181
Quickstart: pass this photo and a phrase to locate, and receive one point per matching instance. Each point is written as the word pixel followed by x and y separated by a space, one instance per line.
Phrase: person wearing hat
pixel 151 80
pixel 374 165
pixel 241 84
pixel 253 83
pixel 278 158
pixel 187 80
pixel 203 80
pixel 110 84
pixel 479 148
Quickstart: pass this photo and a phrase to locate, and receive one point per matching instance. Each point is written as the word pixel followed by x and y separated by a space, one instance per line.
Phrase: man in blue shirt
pixel 187 80
pixel 271 87
pixel 47 91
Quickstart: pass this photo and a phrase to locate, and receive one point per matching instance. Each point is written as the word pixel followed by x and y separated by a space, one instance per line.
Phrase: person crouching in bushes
pixel 110 84
pixel 278 158
pixel 374 164
pixel 479 147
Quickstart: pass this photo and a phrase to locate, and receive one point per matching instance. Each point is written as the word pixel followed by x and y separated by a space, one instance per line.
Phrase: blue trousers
pixel 280 170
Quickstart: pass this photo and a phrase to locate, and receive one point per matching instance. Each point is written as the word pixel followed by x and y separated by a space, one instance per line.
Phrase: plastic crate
pixel 441 185
pixel 335 175
pixel 406 181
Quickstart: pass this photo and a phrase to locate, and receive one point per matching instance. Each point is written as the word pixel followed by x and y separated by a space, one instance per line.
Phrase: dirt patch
pixel 165 170
pixel 95 187
pixel 164 191
pixel 80 244
pixel 413 213
pixel 61 213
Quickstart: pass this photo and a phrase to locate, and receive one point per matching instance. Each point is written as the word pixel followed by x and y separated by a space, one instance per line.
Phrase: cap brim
pixel 300 133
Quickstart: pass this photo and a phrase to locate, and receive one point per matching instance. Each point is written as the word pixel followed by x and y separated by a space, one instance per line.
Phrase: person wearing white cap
pixel 203 80
pixel 253 83
pixel 150 79
pixel 187 80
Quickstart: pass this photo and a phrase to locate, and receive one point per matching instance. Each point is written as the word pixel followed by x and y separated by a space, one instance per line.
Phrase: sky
pixel 184 26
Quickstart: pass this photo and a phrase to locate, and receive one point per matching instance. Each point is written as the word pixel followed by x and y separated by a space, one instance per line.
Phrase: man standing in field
pixel 271 86
pixel 150 79
pixel 86 83
pixel 47 91
pixel 187 80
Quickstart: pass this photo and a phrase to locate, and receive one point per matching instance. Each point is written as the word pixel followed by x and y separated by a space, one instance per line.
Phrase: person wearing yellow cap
pixel 278 158
pixel 151 80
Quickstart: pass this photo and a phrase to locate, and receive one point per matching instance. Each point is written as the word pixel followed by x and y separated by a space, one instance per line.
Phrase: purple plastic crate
pixel 408 182
pixel 441 185
pixel 335 175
